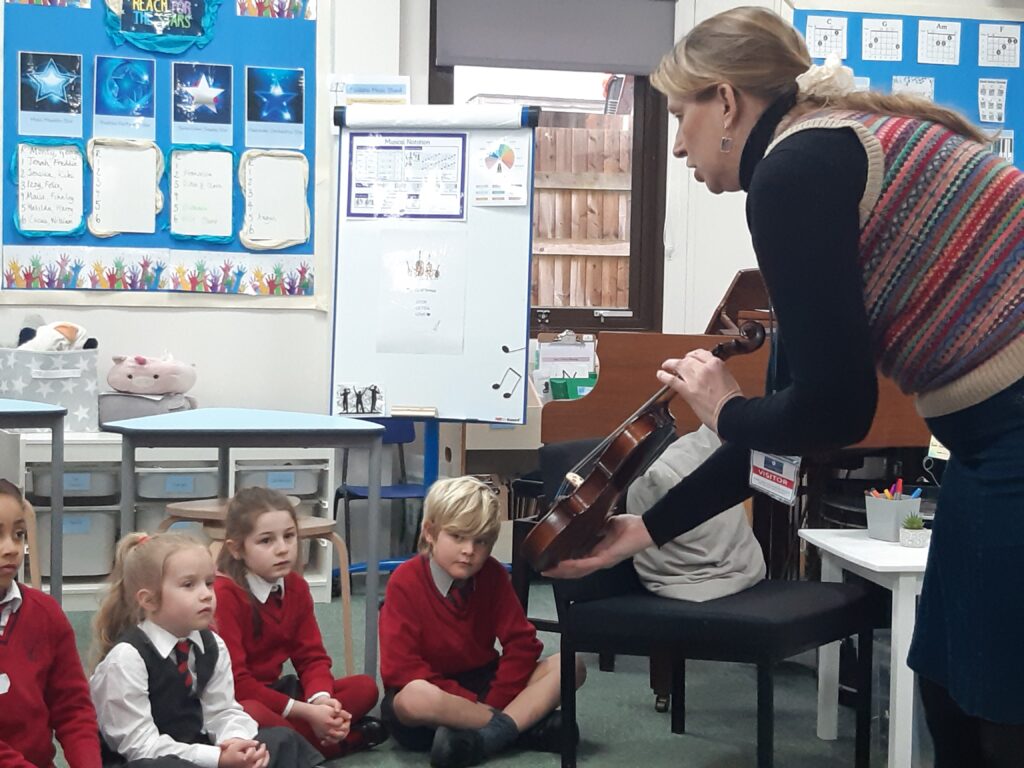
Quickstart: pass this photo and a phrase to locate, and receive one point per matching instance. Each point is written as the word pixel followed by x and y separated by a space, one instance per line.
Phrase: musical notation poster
pixel 407 175
pixel 422 297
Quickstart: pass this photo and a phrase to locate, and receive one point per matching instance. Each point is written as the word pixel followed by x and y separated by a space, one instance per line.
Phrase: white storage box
pixel 176 482
pixel 82 481
pixel 298 479
pixel 90 537
pixel 149 515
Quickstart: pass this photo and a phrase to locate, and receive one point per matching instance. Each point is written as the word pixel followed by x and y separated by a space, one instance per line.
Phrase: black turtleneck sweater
pixel 802 212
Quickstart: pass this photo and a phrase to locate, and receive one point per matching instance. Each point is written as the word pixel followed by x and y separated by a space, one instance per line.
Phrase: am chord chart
pixel 999 45
pixel 882 40
pixel 825 35
pixel 938 42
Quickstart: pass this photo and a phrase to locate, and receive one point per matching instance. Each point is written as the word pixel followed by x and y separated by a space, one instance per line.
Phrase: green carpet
pixel 618 723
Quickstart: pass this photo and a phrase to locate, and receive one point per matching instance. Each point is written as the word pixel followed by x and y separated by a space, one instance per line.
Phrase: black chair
pixel 610 612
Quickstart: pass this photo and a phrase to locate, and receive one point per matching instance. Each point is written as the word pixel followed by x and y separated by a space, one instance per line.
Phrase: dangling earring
pixel 726 144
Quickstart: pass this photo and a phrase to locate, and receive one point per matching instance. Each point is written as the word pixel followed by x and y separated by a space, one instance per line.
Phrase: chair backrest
pixel 397 431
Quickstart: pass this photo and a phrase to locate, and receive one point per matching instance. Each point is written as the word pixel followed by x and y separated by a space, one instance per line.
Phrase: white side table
pixel 900 570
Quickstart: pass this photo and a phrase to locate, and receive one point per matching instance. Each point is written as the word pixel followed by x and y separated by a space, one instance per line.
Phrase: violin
pixel 592 490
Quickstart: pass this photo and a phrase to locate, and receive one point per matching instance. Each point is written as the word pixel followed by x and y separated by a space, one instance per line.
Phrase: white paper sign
pixel 123 189
pixel 992 100
pixel 499 171
pixel 999 45
pixel 915 84
pixel 201 183
pixel 938 42
pixel 275 199
pixel 882 40
pixel 50 188
pixel 825 35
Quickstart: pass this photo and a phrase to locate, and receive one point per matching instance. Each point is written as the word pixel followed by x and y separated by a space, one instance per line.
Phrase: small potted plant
pixel 913 533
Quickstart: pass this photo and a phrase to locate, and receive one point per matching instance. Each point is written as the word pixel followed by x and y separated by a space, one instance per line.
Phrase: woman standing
pixel 890 238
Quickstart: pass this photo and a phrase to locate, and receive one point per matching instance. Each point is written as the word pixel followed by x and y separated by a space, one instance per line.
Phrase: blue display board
pixel 157 261
pixel 956 85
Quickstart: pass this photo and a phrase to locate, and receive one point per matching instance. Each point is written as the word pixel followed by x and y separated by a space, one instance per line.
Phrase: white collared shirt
pixel 442 579
pixel 9 605
pixel 120 691
pixel 262 589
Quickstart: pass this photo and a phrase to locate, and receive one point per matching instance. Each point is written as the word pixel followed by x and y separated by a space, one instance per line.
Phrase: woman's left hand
pixel 703 381
pixel 623 536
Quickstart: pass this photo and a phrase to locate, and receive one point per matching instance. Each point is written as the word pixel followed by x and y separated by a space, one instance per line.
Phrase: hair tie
pixel 829 80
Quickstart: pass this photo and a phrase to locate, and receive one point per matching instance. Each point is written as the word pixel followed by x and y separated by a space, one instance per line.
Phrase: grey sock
pixel 499 734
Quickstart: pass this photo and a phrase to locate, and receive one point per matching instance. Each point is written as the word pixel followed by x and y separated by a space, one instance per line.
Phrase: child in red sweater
pixel 265 615
pixel 43 689
pixel 446 687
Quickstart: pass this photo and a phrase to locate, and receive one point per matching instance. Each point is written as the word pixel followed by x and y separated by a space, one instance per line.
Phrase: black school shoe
pixel 546 734
pixel 367 733
pixel 456 748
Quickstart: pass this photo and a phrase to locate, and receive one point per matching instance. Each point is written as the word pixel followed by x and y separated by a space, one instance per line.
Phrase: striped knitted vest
pixel 942 257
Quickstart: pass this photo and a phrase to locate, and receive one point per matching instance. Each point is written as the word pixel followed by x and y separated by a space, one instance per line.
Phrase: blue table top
pixel 30 407
pixel 243 421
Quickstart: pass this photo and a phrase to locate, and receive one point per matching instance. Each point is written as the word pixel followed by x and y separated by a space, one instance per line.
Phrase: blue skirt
pixel 970 624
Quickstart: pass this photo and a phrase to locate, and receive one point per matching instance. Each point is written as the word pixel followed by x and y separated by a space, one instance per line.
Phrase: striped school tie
pixel 181 654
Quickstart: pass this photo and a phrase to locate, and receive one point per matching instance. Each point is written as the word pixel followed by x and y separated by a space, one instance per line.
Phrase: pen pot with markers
pixel 885 516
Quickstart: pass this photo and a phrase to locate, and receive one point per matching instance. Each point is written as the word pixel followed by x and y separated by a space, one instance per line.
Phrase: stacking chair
pixel 610 612
pixel 399 433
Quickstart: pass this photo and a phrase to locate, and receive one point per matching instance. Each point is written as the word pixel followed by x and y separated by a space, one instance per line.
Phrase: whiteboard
pixel 432 275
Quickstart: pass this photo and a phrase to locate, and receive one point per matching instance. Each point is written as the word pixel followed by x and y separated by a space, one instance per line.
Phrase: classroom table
pixel 900 570
pixel 227 428
pixel 19 414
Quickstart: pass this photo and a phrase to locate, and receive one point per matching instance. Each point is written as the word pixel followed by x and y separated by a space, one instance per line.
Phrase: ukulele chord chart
pixel 825 35
pixel 992 100
pixel 938 42
pixel 999 45
pixel 882 40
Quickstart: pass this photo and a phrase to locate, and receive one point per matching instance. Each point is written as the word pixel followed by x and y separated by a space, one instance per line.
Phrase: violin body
pixel 593 491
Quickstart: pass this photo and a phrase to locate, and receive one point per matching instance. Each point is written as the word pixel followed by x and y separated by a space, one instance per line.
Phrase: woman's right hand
pixel 623 536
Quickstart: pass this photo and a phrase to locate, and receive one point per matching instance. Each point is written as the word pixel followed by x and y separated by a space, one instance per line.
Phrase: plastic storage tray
pixel 82 481
pixel 90 536
pixel 170 482
pixel 299 479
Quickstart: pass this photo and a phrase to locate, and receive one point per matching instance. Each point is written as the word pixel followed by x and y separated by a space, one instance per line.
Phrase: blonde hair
pixel 758 52
pixel 138 564
pixel 244 510
pixel 463 505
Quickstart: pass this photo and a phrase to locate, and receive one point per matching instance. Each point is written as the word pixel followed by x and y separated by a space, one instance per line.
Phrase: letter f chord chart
pixel 999 45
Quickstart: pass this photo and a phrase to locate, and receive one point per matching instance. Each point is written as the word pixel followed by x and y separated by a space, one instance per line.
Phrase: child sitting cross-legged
pixel 163 690
pixel 447 689
pixel 265 615
pixel 43 691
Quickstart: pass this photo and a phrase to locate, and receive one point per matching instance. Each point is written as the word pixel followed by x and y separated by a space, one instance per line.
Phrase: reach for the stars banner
pixel 246 82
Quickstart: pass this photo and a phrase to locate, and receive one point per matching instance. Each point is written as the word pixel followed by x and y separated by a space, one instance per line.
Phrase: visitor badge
pixel 776 476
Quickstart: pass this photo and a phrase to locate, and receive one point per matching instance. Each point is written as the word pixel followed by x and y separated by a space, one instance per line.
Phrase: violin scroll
pixel 750 340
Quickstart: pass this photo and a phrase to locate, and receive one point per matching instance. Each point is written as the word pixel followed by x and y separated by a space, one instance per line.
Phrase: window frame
pixel 647 210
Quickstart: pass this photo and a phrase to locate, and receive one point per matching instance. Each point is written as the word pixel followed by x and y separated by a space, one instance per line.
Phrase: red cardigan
pixel 425 636
pixel 288 632
pixel 48 692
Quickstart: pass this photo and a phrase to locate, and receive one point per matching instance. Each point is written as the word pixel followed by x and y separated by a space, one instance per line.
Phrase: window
pixel 599 181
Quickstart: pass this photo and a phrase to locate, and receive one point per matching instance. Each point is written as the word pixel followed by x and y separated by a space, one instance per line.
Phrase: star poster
pixel 274 108
pixel 201 97
pixel 50 94
pixel 125 98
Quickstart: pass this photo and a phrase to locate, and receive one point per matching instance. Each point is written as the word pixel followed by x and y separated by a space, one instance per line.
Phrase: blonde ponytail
pixel 138 564
pixel 758 52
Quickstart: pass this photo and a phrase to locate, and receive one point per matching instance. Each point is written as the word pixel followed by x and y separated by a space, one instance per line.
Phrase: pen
pixel 888 495
pixel 916 493
pixel 899 488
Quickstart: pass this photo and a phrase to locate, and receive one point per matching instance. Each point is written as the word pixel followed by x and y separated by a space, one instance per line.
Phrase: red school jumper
pixel 288 630
pixel 426 636
pixel 46 690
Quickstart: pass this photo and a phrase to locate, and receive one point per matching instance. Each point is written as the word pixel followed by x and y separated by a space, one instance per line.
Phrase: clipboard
pixel 566 355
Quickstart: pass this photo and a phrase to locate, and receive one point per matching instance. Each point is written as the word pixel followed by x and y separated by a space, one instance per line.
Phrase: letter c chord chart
pixel 825 35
